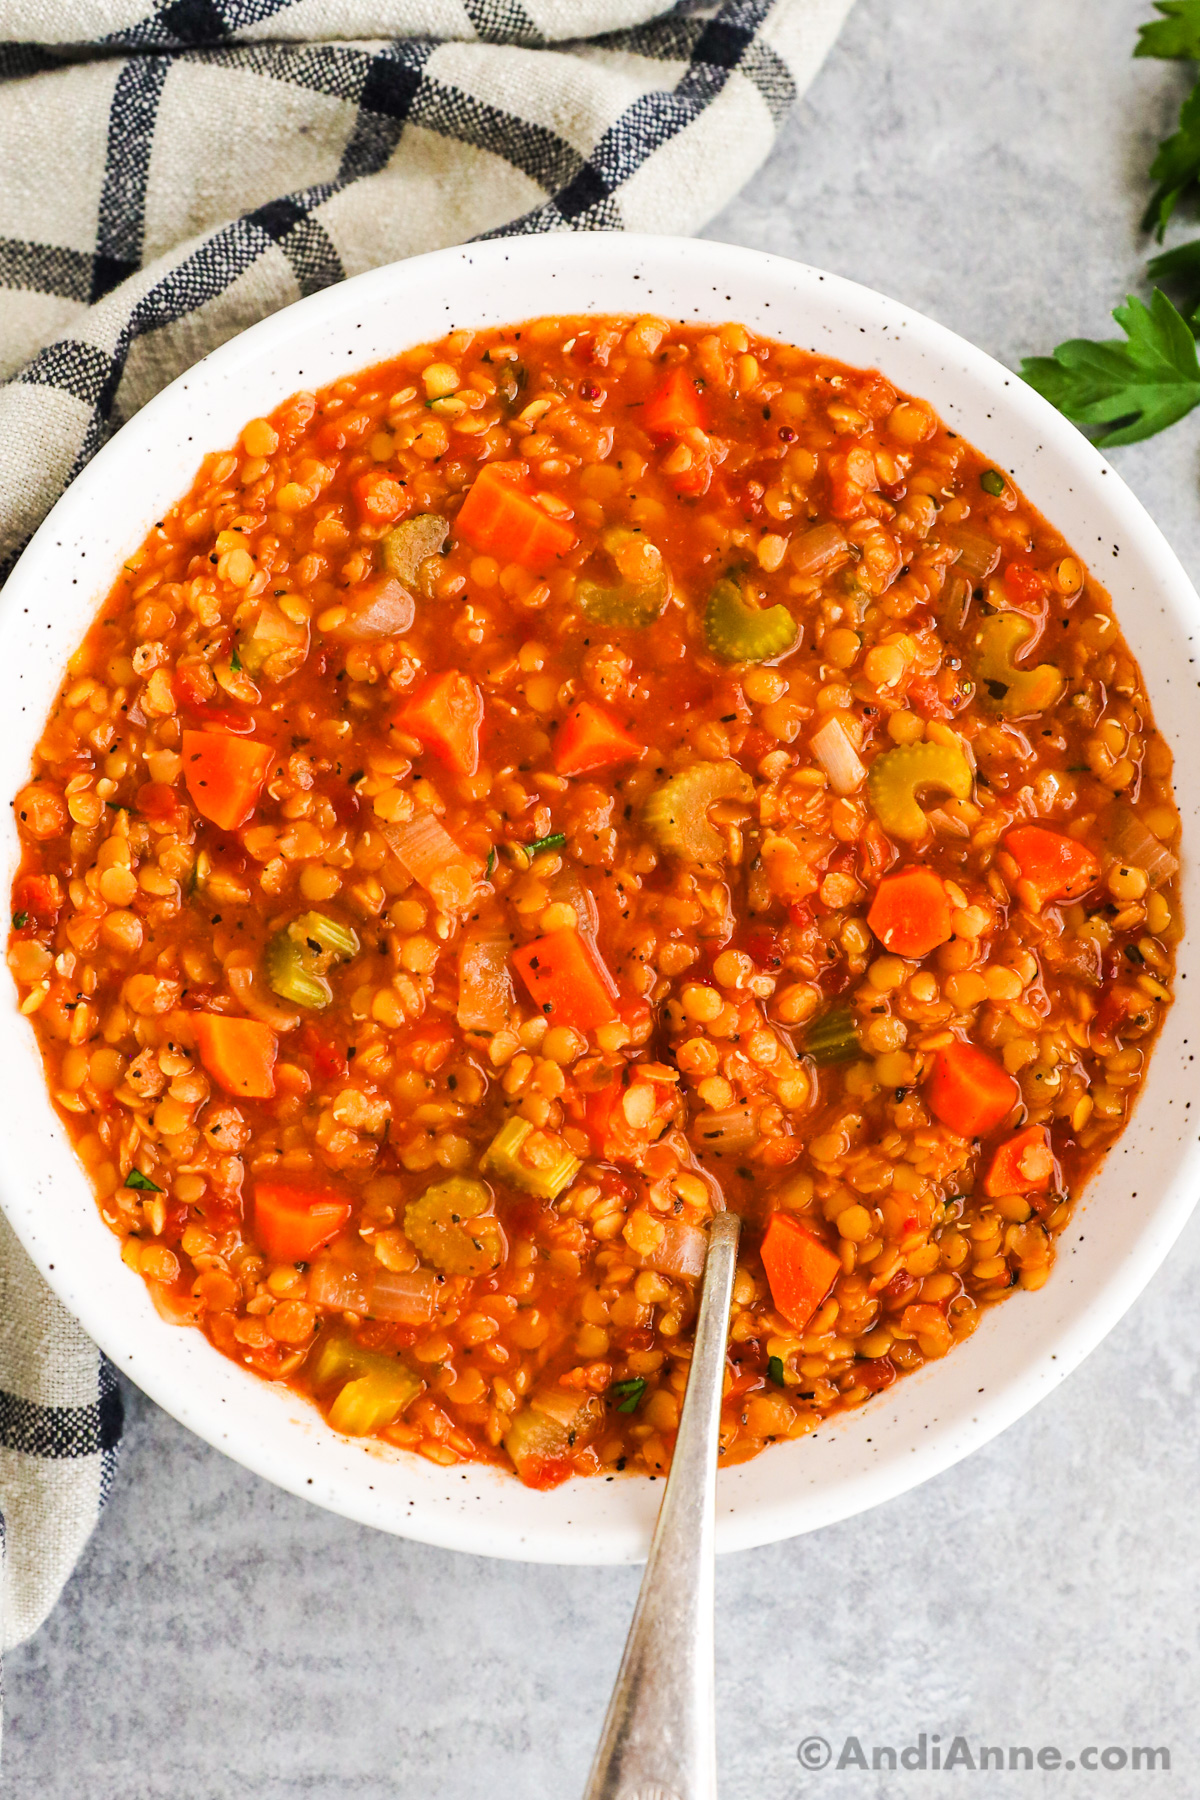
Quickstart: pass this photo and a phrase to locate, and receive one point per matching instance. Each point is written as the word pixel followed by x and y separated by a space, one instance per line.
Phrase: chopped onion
pixel 485 988
pixel 385 610
pixel 404 1299
pixel 977 555
pixel 333 1282
pixel 431 856
pixel 838 757
pixel 1135 843
pixel 815 551
pixel 731 1129
pixel 681 1252
pixel 569 887
pixel 956 602
pixel 249 990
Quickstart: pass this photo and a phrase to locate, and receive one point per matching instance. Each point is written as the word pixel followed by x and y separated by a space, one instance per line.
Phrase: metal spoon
pixel 659 1740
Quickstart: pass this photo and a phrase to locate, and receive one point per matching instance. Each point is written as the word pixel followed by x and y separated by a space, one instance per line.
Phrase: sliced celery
pixel 544 1167
pixel 452 1226
pixel 406 546
pixel 833 1038
pixel 738 632
pixel 550 1428
pixel 370 1402
pixel 289 976
pixel 297 959
pixel 622 604
pixel 676 813
pixel 374 1390
pixel 1004 688
pixel 896 778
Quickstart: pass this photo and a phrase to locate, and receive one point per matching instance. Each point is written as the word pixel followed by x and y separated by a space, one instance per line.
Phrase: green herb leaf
pixel 143 1183
pixel 20 921
pixel 1180 269
pixel 1176 34
pixel 775 1370
pixel 490 863
pixel 1136 387
pixel 992 482
pixel 631 1392
pixel 556 841
pixel 235 661
pixel 1176 166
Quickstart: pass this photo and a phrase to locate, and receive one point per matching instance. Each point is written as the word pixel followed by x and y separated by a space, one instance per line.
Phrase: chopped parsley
pixel 135 1179
pixel 631 1393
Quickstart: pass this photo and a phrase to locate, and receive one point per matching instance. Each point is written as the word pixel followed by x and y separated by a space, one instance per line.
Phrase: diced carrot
pixel 567 980
pixel 590 739
pixel 239 1053
pixel 675 407
pixel 224 775
pixel 380 497
pixel 292 1223
pixel 969 1092
pixel 800 1268
pixel 446 713
pixel 1023 1164
pixel 499 517
pixel 910 914
pixel 1054 866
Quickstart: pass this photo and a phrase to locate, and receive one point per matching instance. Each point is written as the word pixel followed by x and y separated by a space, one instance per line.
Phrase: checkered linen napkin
pixel 174 170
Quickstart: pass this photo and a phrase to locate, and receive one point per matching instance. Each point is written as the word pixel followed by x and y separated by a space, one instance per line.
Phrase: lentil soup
pixel 536 787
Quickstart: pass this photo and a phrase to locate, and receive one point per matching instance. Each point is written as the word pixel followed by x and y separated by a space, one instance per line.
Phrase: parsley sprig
pixel 1135 386
pixel 1175 35
pixel 1131 387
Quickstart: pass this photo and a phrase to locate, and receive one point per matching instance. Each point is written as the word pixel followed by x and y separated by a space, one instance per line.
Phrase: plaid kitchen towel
pixel 173 170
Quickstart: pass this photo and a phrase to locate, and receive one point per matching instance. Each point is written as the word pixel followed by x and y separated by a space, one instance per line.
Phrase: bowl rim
pixel 297 1451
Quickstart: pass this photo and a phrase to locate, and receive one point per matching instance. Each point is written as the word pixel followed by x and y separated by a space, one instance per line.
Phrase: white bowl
pixel 1132 1213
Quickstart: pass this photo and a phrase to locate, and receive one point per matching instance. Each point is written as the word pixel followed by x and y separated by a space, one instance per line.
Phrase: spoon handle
pixel 659 1740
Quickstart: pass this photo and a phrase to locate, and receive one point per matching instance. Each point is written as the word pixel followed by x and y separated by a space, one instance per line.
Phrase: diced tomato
pixel 1123 1005
pixel 1024 1164
pixel 851 478
pixel 800 1268
pixel 380 497
pixel 162 804
pixel 590 739
pixel 763 946
pixel 675 407
pixel 567 980
pixel 446 713
pixel 37 900
pixel 224 775
pixel 292 1222
pixel 329 1064
pixel 969 1092
pixel 1026 584
pixel 910 914
pixel 347 428
pixel 924 698
pixel 1053 866
pixel 500 517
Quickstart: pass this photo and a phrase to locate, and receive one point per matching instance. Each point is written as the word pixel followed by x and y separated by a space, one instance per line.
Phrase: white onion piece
pixel 403 1299
pixel 386 610
pixel 838 757
pixel 430 855
pixel 333 1283
pixel 485 987
pixel 817 550
pixel 681 1252
pixel 731 1129
pixel 1135 843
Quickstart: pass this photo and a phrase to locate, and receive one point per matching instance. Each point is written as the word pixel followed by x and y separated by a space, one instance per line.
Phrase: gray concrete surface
pixel 222 1641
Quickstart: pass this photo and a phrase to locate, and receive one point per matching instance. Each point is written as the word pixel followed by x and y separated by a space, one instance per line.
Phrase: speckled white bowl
pixel 1134 1210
